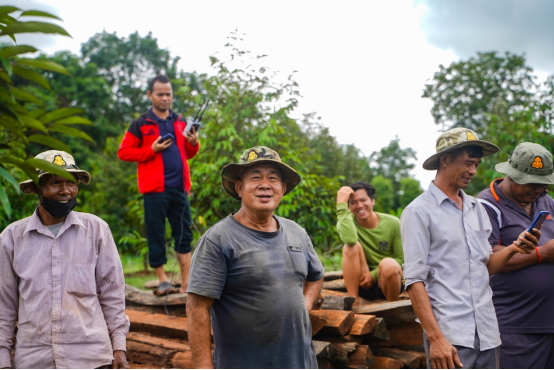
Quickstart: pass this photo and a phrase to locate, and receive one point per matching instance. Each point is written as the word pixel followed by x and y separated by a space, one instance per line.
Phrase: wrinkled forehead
pixel 262 168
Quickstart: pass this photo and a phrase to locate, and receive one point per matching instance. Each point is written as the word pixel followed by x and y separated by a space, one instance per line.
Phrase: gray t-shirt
pixel 55 228
pixel 259 318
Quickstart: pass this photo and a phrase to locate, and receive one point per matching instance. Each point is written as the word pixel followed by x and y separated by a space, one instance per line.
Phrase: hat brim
pixel 432 163
pixel 231 173
pixel 80 175
pixel 523 178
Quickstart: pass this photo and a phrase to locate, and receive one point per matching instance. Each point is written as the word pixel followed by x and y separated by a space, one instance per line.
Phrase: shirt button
pixel 473 285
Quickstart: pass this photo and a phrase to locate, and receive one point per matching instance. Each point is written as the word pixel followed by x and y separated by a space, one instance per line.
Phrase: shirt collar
pixel 36 224
pixel 440 196
pixel 158 119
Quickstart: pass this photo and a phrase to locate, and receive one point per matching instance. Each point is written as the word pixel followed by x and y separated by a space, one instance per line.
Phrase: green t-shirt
pixel 381 242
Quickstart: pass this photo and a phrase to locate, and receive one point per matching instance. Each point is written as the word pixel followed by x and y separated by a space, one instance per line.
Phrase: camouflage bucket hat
pixel 455 139
pixel 61 159
pixel 530 163
pixel 252 156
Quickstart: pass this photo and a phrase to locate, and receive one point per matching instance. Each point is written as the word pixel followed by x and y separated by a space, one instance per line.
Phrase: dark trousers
pixel 471 358
pixel 173 204
pixel 527 351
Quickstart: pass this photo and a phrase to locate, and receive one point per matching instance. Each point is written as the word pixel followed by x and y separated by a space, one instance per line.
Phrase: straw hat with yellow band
pixel 250 157
pixel 455 139
pixel 59 158
pixel 530 163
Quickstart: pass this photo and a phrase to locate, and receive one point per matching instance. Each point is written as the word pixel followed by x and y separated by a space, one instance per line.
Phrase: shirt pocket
pixel 481 242
pixel 81 279
pixel 299 261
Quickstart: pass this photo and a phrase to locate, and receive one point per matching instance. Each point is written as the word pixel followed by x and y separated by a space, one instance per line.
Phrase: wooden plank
pixel 386 363
pixel 145 349
pixel 363 324
pixel 335 285
pixel 182 360
pixel 380 331
pixel 409 358
pixel 361 358
pixel 340 338
pixel 336 293
pixel 146 298
pixel 332 275
pixel 324 349
pixel 399 335
pixel 337 303
pixel 318 323
pixel 158 324
pixel 338 322
pixel 393 312
pixel 340 360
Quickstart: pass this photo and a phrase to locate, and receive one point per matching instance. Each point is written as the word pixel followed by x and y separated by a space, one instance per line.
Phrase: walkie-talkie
pixel 196 122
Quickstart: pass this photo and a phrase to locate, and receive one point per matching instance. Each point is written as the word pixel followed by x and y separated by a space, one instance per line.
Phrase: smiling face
pixel 459 168
pixel 361 204
pixel 161 96
pixel 261 188
pixel 57 188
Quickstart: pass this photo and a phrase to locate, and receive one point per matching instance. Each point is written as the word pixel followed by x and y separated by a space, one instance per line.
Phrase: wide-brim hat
pixel 62 159
pixel 253 156
pixel 455 139
pixel 530 163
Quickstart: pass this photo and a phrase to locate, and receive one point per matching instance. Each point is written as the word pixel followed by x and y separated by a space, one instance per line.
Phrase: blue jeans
pixel 174 204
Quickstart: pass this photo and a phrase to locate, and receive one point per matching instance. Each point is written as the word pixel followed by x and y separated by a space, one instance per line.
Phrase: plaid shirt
pixel 66 293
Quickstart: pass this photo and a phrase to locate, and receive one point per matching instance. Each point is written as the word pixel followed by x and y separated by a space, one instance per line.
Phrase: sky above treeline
pixel 361 65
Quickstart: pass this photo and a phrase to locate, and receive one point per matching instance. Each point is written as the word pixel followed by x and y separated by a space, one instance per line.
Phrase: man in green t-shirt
pixel 372 255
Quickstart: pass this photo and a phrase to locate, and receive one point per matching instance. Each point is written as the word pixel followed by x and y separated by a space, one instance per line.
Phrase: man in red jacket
pixel 163 177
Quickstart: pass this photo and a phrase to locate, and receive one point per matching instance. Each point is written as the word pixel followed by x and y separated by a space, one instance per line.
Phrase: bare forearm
pixel 311 292
pixel 424 311
pixel 200 337
pixel 499 259
pixel 518 261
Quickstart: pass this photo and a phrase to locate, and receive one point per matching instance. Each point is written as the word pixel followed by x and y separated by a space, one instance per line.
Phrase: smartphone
pixel 192 123
pixel 538 221
pixel 167 137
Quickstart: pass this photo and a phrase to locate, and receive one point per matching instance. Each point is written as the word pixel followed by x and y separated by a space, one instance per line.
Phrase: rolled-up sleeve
pixel 110 284
pixel 9 301
pixel 416 242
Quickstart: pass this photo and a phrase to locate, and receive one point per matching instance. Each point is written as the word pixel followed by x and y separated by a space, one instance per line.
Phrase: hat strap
pixel 530 170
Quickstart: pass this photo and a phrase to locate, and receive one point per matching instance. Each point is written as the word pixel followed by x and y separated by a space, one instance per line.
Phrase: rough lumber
pixel 158 324
pixel 335 293
pixel 176 310
pixel 318 323
pixel 332 275
pixel 152 351
pixel 146 298
pixel 410 359
pixel 335 285
pixel 340 359
pixel 324 349
pixel 363 324
pixel 361 358
pixel 386 363
pixel 393 312
pixel 340 339
pixel 338 322
pixel 337 303
pixel 380 331
pixel 182 360
pixel 400 335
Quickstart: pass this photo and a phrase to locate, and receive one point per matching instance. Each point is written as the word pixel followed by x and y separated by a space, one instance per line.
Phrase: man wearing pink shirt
pixel 61 282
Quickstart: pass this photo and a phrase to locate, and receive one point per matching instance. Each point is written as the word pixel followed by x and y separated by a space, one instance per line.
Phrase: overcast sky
pixel 361 65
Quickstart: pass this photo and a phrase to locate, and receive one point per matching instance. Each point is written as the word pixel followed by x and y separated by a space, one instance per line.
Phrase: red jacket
pixel 136 146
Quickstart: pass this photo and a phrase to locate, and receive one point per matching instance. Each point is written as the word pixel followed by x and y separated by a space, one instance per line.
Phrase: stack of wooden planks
pixel 379 335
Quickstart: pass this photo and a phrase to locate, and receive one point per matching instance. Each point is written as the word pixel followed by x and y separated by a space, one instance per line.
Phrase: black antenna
pixel 196 117
pixel 206 107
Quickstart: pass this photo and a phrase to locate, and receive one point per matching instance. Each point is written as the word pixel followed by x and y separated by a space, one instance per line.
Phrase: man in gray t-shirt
pixel 254 276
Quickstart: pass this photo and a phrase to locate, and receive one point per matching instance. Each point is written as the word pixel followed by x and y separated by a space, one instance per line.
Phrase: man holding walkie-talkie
pixel 161 143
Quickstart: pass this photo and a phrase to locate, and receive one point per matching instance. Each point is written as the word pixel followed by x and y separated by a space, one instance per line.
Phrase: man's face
pixel 360 204
pixel 527 193
pixel 161 96
pixel 261 188
pixel 461 169
pixel 57 188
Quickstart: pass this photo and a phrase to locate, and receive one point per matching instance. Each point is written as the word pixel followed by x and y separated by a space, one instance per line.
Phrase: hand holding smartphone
pixel 537 223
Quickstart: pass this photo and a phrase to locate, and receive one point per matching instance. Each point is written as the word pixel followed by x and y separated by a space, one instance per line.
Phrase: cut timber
pixel 146 298
pixel 340 360
pixel 337 303
pixel 176 310
pixel 399 335
pixel 363 324
pixel 361 358
pixel 324 349
pixel 332 275
pixel 409 358
pixel 338 322
pixel 335 293
pixel 158 324
pixel 318 323
pixel 340 339
pixel 393 312
pixel 380 331
pixel 182 360
pixel 142 348
pixel 335 285
pixel 386 363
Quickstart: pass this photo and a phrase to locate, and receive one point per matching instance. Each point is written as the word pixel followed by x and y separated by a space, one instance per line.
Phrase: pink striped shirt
pixel 66 294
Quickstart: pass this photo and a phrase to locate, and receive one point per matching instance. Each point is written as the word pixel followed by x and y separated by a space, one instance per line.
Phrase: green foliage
pixel 497 97
pixel 384 194
pixel 22 118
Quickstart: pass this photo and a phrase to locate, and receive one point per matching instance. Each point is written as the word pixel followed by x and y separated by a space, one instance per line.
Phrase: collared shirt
pixel 66 294
pixel 447 249
pixel 173 164
pixel 522 298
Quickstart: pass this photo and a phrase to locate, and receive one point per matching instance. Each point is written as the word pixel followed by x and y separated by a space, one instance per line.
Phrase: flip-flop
pixel 164 288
